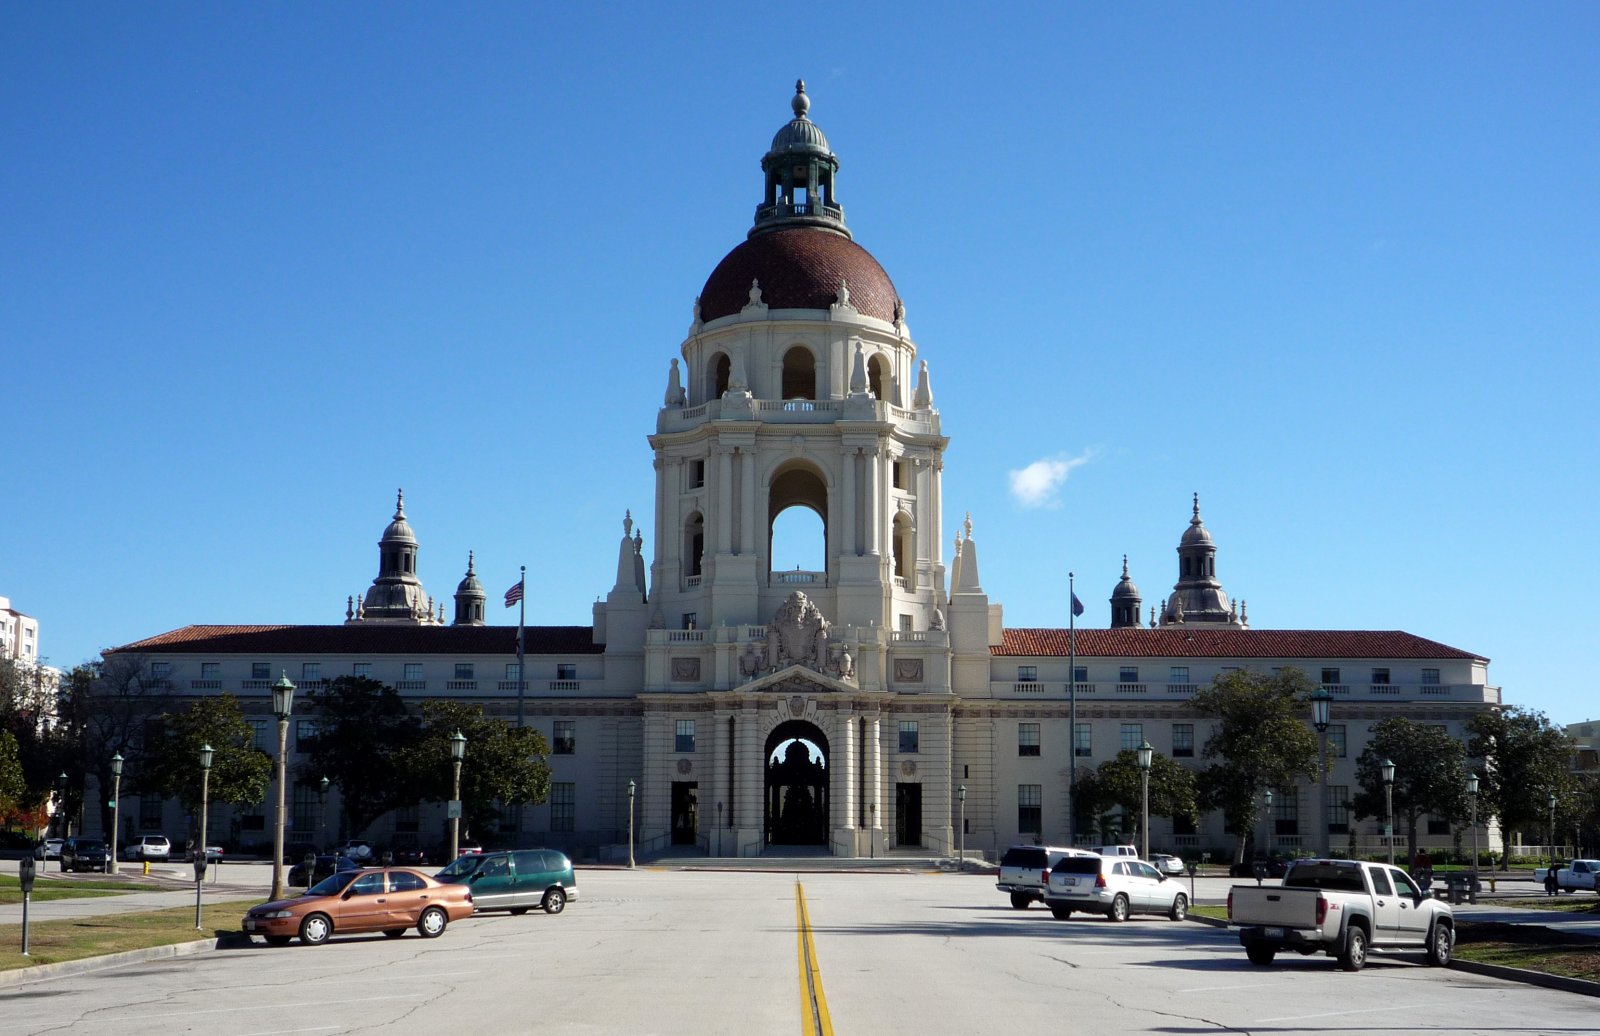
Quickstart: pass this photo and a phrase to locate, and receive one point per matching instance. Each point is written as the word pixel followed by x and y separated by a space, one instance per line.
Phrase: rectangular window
pixel 1083 740
pixel 303 810
pixel 908 735
pixel 1230 669
pixel 1336 741
pixel 1183 740
pixel 1178 674
pixel 150 811
pixel 464 671
pixel 1430 677
pixel 905 624
pixel 563 806
pixel 310 671
pixel 160 670
pixel 407 820
pixel 362 669
pixel 1027 673
pixel 1132 735
pixel 899 474
pixel 1128 674
pixel 513 671
pixel 305 732
pixel 564 739
pixel 1081 674
pixel 259 738
pixel 689 620
pixel 413 670
pixel 1438 827
pixel 1338 809
pixel 1029 815
pixel 566 671
pixel 1380 676
pixel 1285 811
pixel 685 739
pixel 212 670
pixel 1330 675
pixel 1027 739
pixel 260 671
pixel 697 474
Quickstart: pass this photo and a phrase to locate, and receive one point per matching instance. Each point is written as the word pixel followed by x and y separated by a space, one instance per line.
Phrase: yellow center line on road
pixel 814 1020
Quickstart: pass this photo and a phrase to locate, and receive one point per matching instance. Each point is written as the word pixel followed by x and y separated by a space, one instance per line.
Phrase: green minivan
pixel 516 881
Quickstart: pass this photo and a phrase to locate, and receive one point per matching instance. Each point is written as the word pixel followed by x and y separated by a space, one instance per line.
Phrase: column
pixel 847 516
pixel 750 773
pixel 846 765
pixel 724 500
pixel 750 508
pixel 872 493
pixel 872 772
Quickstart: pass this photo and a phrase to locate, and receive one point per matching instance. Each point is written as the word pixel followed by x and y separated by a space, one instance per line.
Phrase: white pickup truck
pixel 1578 874
pixel 1342 908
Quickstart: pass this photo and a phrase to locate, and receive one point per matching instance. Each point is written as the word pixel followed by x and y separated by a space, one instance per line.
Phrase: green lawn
pixel 44 891
pixel 51 942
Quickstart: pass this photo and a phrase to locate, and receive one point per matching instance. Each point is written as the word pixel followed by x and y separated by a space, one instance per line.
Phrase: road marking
pixel 814 1020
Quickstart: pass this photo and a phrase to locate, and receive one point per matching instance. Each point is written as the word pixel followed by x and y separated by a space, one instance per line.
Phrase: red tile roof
pixel 1178 642
pixel 370 640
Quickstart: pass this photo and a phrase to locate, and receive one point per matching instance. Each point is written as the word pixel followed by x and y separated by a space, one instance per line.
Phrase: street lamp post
pixel 1321 707
pixel 872 830
pixel 458 752
pixel 116 809
pixel 200 859
pixel 1553 801
pixel 282 706
pixel 1472 793
pixel 61 805
pixel 1271 833
pixel 1144 793
pixel 322 811
pixel 961 829
pixel 1388 806
pixel 632 790
pixel 719 829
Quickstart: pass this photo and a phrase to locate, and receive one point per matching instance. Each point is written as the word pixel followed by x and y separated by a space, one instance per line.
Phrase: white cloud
pixel 1038 484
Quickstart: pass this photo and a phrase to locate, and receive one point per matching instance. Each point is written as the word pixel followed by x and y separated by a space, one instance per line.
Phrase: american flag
pixel 514 594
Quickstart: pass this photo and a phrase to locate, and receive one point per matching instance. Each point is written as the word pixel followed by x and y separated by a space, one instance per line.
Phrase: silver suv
pixel 148 847
pixel 1113 886
pixel 1025 869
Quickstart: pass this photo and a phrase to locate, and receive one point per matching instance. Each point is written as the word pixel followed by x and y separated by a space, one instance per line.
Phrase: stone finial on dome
pixel 967 525
pixel 675 394
pixel 923 398
pixel 627 523
pixel 800 103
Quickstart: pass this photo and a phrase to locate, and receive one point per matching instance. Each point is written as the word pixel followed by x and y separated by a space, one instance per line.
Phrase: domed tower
pixel 396 596
pixel 1197 598
pixel 797 392
pixel 470 598
pixel 1125 601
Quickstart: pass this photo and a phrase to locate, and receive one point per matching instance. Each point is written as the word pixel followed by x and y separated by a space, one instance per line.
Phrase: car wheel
pixel 315 929
pixel 1354 954
pixel 555 901
pixel 518 911
pixel 1119 908
pixel 1440 943
pixel 1260 955
pixel 1019 901
pixel 1061 913
pixel 1180 908
pixel 276 940
pixel 432 923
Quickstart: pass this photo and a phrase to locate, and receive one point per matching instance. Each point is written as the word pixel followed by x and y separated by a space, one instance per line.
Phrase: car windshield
pixel 332 886
pixel 89 844
pixel 463 867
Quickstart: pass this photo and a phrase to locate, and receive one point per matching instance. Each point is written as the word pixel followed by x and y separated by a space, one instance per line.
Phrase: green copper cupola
pixel 800 171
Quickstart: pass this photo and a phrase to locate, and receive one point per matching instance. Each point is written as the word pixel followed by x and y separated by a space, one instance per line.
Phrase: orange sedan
pixel 380 899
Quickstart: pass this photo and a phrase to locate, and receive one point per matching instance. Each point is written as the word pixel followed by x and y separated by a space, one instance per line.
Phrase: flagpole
pixel 1072 707
pixel 522 615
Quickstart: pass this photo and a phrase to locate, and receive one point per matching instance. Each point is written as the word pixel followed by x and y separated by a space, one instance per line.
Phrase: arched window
pixel 694 544
pixel 799 374
pixel 878 378
pixel 905 550
pixel 797 527
pixel 717 375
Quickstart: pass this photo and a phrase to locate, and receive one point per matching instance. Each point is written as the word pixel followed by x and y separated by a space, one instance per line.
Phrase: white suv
pixel 1115 887
pixel 148 847
pixel 1024 869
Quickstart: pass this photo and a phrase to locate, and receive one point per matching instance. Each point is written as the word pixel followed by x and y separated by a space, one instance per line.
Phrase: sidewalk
pixel 168 885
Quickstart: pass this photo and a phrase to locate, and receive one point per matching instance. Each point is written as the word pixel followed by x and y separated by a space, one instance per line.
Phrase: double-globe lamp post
pixel 200 857
pixel 116 810
pixel 632 788
pixel 458 752
pixel 1388 805
pixel 1144 752
pixel 282 706
pixel 1321 710
pixel 961 829
pixel 1472 793
pixel 1553 801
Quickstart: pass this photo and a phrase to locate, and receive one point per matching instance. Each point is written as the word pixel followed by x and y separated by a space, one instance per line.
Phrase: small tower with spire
pixel 800 168
pixel 1197 598
pixel 471 601
pixel 1125 601
pixel 396 597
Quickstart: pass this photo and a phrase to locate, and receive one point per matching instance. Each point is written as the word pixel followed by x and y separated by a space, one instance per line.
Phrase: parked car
pixel 388 900
pixel 412 856
pixel 1025 869
pixel 322 867
pixel 1125 851
pixel 83 854
pixel 469 847
pixel 358 849
pixel 52 848
pixel 147 847
pixel 1167 863
pixel 1577 874
pixel 1117 888
pixel 515 881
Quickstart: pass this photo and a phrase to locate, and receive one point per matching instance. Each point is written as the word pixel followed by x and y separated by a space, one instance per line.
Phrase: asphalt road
pixel 718 952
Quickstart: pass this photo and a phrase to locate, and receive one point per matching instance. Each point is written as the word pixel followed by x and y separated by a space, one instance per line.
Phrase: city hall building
pixel 871 706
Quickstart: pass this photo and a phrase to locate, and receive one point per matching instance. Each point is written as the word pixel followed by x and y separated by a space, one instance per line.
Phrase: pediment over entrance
pixel 798 679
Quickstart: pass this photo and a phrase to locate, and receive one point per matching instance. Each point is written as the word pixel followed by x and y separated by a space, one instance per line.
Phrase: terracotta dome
pixel 799 268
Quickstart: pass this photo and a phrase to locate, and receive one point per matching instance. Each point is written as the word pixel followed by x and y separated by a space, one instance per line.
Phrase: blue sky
pixel 1332 267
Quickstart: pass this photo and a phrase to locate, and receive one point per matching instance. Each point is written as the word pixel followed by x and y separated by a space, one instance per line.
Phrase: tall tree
pixel 14 795
pixel 1429 775
pixel 1118 782
pixel 504 764
pixel 364 735
pixel 169 763
pixel 105 707
pixel 1262 740
pixel 1526 759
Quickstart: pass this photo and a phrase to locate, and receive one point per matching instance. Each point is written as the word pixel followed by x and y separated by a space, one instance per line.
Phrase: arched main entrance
pixel 797 785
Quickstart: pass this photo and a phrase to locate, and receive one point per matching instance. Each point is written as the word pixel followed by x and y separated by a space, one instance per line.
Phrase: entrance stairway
pixel 805 858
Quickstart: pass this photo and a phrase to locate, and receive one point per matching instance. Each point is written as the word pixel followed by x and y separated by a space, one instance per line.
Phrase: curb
pixel 38 972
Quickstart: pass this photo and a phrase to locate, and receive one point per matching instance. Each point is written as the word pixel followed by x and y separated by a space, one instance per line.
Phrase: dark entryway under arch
pixel 797 785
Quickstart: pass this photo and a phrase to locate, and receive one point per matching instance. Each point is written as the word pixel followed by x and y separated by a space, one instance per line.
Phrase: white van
pixel 1122 851
pixel 1025 871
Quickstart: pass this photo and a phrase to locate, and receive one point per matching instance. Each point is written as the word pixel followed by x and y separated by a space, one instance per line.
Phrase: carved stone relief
pixel 685 670
pixel 908 670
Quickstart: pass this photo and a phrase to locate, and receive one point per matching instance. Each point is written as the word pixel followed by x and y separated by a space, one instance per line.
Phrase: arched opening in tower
pixel 878 381
pixel 717 375
pixel 799 373
pixel 797 527
pixel 797 799
pixel 694 545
